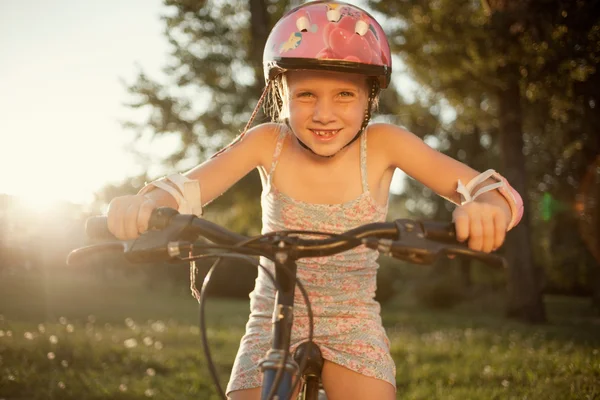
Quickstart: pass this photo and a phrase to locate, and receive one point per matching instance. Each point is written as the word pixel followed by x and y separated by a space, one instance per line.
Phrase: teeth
pixel 325 133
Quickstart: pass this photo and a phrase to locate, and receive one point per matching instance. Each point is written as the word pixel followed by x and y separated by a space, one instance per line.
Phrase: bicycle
pixel 174 237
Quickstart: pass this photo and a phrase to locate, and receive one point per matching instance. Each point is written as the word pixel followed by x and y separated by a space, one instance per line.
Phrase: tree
pixel 447 49
pixel 524 294
pixel 534 65
pixel 557 56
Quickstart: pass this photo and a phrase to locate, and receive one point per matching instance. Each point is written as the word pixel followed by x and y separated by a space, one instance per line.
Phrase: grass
pixel 75 336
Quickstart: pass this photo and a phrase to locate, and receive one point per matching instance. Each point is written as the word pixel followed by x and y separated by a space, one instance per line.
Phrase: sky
pixel 62 97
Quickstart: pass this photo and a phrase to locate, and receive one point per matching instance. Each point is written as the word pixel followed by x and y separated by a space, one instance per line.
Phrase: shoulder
pixel 381 131
pixel 395 144
pixel 385 137
pixel 260 141
pixel 265 132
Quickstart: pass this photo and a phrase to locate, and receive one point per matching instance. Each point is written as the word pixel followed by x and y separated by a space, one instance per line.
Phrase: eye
pixel 346 94
pixel 303 24
pixel 304 94
pixel 361 27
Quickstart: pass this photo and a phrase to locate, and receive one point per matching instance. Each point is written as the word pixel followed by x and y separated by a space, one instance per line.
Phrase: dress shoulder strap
pixel 277 152
pixel 363 161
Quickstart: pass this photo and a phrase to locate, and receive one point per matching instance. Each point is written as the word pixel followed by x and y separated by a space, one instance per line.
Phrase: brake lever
pixel 153 245
pixel 414 246
pixel 79 255
pixel 402 251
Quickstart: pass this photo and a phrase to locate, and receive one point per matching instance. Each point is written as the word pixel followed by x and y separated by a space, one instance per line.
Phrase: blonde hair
pixel 276 105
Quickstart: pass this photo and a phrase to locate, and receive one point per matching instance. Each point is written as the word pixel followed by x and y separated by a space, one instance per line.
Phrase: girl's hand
pixel 483 224
pixel 128 216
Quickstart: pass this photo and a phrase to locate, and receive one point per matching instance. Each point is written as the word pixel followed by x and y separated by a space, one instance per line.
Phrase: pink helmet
pixel 328 35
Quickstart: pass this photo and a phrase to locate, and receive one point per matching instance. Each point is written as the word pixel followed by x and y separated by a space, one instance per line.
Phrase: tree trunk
pixel 525 299
pixel 596 289
pixel 259 28
pixel 596 284
pixel 590 229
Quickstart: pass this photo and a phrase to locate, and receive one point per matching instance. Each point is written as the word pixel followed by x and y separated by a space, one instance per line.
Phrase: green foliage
pixel 440 292
pixel 214 73
pixel 388 279
pixel 464 53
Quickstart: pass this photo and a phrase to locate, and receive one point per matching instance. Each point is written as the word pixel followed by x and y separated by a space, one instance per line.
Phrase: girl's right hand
pixel 128 216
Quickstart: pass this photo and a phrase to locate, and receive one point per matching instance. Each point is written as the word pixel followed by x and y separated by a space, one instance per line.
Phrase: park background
pixel 99 98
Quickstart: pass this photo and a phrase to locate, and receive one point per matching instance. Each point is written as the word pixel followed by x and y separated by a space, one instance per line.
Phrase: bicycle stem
pixel 277 380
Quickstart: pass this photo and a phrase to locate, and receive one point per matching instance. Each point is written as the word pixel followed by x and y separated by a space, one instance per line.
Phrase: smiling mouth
pixel 325 132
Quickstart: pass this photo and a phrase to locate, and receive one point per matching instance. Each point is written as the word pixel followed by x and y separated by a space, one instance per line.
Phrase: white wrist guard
pixel 186 192
pixel 511 195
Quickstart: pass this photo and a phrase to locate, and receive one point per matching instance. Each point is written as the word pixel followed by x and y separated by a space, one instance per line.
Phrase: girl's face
pixel 326 109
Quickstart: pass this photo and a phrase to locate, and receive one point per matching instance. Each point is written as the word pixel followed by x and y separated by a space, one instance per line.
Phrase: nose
pixel 323 111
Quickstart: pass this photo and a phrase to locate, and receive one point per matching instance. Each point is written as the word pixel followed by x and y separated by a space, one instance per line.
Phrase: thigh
pixel 253 394
pixel 342 383
pixel 245 394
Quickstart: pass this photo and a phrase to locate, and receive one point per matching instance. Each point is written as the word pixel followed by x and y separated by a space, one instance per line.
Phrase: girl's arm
pixel 489 211
pixel 218 174
pixel 128 216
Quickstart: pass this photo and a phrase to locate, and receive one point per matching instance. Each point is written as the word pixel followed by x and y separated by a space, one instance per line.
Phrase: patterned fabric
pixel 341 288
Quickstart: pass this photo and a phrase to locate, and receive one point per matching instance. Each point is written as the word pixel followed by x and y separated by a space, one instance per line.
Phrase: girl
pixel 324 168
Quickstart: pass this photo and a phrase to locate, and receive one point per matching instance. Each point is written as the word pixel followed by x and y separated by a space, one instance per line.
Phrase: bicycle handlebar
pixel 414 241
pixel 96 228
pixel 171 234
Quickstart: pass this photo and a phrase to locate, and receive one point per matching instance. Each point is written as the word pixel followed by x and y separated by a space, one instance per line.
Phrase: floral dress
pixel 341 288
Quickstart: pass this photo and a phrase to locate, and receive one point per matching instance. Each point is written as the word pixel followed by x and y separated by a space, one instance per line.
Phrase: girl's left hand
pixel 483 224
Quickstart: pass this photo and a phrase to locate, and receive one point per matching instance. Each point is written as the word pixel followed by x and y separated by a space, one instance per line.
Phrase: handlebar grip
pixel 96 228
pixel 160 217
pixel 440 231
